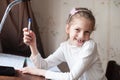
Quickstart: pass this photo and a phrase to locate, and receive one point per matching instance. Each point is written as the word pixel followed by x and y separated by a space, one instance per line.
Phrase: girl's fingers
pixel 25 29
pixel 29 36
pixel 27 40
pixel 28 33
pixel 24 70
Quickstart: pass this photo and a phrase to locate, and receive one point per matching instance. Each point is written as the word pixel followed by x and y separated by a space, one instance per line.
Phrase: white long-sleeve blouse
pixel 83 62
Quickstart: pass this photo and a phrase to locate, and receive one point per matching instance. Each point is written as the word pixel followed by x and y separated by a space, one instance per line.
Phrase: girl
pixel 79 51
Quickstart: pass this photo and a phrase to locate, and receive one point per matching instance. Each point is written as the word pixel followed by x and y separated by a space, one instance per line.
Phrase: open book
pixel 15 61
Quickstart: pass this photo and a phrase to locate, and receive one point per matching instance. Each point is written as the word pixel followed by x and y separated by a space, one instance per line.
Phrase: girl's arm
pixel 29 39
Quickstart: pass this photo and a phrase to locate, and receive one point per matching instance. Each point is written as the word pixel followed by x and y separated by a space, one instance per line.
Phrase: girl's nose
pixel 81 35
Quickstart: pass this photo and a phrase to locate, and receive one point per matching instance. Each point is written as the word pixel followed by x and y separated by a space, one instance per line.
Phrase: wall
pixel 51 16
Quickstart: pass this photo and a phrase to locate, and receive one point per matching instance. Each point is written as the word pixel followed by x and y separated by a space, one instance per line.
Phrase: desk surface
pixel 21 76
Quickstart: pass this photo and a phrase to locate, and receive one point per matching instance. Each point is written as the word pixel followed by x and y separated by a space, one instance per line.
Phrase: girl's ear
pixel 67 29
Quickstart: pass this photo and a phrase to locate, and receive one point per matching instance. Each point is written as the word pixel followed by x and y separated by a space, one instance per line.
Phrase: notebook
pixel 14 61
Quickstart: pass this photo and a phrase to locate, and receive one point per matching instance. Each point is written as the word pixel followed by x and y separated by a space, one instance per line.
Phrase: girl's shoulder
pixel 64 43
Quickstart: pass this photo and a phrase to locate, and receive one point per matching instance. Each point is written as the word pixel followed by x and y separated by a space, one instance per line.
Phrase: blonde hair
pixel 82 12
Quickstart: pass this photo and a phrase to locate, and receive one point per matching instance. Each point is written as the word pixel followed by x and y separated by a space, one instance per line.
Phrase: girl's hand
pixel 29 37
pixel 33 71
pixel 29 70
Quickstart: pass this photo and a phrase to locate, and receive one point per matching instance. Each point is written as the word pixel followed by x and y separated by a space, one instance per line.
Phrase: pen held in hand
pixel 29 27
pixel 29 23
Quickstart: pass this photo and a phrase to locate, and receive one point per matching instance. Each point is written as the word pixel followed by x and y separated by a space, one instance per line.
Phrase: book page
pixel 29 63
pixel 12 60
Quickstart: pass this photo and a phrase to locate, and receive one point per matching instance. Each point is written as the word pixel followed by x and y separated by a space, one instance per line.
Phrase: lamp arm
pixel 7 11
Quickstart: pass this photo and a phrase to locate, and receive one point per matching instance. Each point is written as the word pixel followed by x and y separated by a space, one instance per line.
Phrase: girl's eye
pixel 87 32
pixel 77 29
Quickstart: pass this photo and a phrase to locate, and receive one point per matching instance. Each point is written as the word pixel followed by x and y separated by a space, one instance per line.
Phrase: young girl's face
pixel 79 31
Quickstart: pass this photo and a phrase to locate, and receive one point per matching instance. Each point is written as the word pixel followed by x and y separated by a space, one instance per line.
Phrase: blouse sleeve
pixel 53 60
pixel 83 63
pixel 39 61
